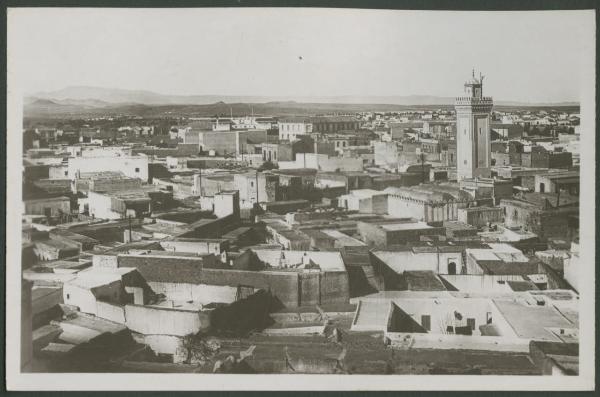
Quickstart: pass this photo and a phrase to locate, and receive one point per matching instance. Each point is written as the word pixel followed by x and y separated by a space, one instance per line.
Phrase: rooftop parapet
pixel 468 100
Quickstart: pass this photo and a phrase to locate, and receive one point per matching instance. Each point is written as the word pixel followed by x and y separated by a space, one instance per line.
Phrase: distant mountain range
pixel 97 100
pixel 97 96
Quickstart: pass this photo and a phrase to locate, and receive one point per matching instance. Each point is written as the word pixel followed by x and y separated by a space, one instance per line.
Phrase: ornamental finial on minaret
pixel 474 80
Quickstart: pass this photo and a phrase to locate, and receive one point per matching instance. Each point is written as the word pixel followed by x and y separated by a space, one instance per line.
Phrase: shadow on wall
pixel 402 322
pixel 243 316
pixel 361 281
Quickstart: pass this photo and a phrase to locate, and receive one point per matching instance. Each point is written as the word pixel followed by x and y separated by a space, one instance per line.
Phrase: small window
pixel 66 173
pixel 426 321
pixel 68 296
pixel 471 323
pixel 137 170
pixel 251 184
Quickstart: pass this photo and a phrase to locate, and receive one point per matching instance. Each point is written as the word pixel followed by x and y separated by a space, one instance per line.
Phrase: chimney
pixel 197 185
pixel 305 259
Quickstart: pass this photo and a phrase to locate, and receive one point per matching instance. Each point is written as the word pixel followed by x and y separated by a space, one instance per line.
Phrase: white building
pixel 492 321
pixel 323 162
pixel 291 128
pixel 326 261
pixel 119 204
pixel 571 267
pixel 439 261
pixel 131 166
pixel 365 200
pixel 226 203
pixel 98 150
pixel 424 205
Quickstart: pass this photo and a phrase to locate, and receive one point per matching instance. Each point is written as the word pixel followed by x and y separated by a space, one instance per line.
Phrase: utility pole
pixel 200 180
pixel 422 168
pixel 129 221
pixel 257 187
pixel 422 158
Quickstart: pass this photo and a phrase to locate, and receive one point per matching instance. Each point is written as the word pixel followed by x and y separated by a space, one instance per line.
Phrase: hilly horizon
pixel 98 97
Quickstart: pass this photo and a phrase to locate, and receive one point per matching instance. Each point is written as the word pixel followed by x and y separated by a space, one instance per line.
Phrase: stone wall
pixel 55 206
pixel 282 285
pixel 110 312
pixel 203 293
pixel 480 216
pixel 165 268
pixel 154 320
pixel 243 316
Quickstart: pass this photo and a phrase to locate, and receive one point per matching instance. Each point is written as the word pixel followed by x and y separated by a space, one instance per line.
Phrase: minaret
pixel 473 131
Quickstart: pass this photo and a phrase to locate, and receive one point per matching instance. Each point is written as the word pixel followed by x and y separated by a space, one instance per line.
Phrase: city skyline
pixel 297 192
pixel 388 56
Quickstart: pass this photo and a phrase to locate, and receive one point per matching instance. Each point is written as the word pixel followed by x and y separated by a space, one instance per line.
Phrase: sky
pixel 525 56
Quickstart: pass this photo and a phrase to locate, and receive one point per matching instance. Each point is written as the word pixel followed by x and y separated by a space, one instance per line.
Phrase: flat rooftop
pixel 158 253
pixel 343 238
pixel 480 209
pixel 64 265
pixel 103 175
pixel 423 281
pixel 405 226
pixel 92 278
pixel 196 240
pixel 137 194
pixel 218 177
pixel 47 199
pixel 367 193
pixel 97 324
pixel 295 171
pixel 532 322
pixel 58 244
pixel 507 235
pixel 326 260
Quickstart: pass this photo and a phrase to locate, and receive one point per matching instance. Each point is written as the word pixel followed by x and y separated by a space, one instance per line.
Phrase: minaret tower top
pixel 474 86
pixel 473 141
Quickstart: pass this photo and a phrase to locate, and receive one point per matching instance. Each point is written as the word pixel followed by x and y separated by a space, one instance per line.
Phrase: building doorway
pixel 451 268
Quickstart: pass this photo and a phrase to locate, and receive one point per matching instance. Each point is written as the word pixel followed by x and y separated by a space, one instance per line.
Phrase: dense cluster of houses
pixel 303 231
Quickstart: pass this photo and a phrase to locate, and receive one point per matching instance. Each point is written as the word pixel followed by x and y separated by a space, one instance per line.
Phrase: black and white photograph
pixel 300 198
